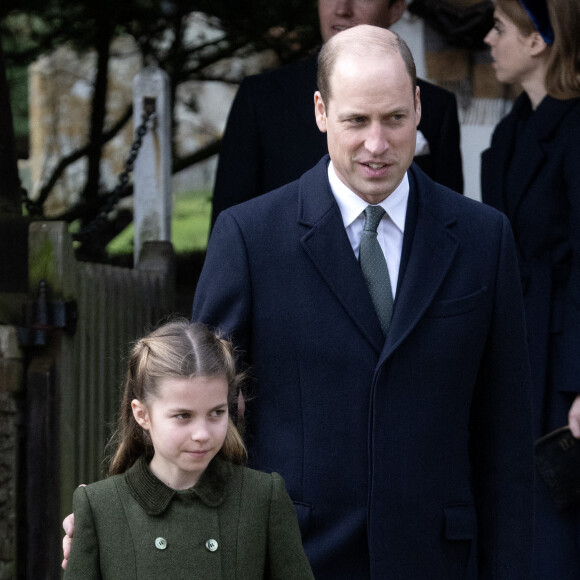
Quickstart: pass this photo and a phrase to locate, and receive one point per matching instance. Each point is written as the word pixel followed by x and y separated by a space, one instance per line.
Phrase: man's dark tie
pixel 374 266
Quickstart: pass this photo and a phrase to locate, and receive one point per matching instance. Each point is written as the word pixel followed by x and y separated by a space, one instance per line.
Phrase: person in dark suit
pixel 271 137
pixel 401 428
pixel 531 172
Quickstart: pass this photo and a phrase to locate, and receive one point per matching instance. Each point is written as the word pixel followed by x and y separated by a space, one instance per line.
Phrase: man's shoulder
pixel 284 198
pixel 449 204
pixel 287 77
pixel 430 91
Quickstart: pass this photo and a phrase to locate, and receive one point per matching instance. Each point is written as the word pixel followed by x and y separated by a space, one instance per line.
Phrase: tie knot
pixel 373 215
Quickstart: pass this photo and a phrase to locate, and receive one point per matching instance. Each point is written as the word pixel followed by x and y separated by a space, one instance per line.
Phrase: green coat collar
pixel 154 496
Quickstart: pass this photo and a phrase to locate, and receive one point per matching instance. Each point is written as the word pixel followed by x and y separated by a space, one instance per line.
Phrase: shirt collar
pixel 351 205
pixel 154 496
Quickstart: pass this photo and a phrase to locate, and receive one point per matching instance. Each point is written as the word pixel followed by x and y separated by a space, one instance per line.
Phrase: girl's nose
pixel 200 431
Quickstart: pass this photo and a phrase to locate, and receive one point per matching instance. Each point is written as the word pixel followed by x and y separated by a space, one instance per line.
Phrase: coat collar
pixel 154 496
pixel 428 243
pixel 544 125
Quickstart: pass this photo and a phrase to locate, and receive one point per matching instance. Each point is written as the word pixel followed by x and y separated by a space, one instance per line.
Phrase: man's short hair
pixel 367 37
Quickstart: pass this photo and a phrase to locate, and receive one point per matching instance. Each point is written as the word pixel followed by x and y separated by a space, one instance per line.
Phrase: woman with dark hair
pixel 531 172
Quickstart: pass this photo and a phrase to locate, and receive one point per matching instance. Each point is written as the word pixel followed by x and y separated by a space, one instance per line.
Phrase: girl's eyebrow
pixel 184 410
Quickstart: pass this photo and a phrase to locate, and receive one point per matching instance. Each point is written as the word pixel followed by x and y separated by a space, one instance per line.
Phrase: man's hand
pixel 574 417
pixel 68 525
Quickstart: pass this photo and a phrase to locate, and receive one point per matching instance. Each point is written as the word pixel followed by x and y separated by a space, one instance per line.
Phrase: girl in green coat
pixel 179 503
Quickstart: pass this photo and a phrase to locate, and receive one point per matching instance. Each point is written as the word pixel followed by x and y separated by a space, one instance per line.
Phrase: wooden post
pixel 152 171
pixel 11 481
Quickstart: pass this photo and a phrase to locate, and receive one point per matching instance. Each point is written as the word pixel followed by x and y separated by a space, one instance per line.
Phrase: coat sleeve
pixel 83 563
pixel 239 173
pixel 501 441
pixel 223 298
pixel 286 557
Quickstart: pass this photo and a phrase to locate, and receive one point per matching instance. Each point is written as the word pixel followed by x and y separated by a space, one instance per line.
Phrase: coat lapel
pixel 325 242
pixel 431 254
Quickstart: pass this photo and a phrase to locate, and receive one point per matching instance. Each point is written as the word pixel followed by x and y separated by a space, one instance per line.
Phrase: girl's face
pixel 512 60
pixel 187 422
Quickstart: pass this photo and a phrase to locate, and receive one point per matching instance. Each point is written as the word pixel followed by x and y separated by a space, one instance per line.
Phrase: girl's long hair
pixel 178 349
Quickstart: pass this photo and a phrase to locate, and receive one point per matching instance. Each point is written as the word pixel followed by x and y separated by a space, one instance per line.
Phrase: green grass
pixel 189 225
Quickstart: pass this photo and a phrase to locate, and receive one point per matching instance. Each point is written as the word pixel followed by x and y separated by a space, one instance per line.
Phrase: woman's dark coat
pixel 542 202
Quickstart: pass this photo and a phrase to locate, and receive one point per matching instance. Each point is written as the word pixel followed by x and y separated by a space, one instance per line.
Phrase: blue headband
pixel 538 13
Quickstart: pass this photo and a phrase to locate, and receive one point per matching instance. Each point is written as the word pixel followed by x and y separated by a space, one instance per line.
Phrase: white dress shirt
pixel 391 228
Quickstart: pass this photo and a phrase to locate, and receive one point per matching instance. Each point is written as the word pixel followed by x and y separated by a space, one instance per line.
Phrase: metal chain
pixel 100 220
pixel 111 200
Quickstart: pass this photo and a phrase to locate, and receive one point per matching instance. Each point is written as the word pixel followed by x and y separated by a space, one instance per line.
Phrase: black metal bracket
pixel 42 316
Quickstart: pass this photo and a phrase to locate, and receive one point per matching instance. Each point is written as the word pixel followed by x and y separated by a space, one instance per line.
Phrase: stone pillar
pixel 152 172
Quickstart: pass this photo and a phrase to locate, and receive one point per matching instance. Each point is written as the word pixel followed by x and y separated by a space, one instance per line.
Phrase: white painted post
pixel 152 171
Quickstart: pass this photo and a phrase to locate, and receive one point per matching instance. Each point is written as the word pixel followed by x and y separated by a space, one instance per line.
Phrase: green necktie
pixel 374 266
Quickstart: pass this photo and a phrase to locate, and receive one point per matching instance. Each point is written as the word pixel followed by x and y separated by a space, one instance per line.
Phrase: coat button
pixel 211 545
pixel 161 543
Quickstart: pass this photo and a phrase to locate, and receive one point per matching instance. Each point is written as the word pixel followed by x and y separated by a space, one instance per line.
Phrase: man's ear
pixel 418 105
pixel 320 112
pixel 140 413
pixel 396 11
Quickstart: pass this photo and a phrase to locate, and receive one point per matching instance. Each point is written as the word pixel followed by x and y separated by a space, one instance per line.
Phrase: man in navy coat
pixel 271 138
pixel 407 455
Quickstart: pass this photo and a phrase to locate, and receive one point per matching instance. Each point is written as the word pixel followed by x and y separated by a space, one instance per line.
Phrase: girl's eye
pixel 218 412
pixel 182 416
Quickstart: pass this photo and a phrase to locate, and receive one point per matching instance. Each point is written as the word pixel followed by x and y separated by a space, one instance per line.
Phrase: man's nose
pixel 376 140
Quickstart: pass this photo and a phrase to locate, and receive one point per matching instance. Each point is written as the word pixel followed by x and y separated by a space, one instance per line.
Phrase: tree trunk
pixel 10 188
pixel 93 248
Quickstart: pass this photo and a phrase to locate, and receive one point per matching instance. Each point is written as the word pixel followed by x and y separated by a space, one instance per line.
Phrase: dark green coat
pixel 235 523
